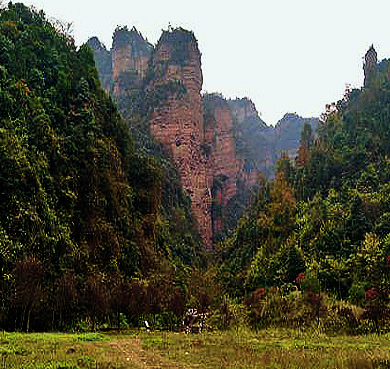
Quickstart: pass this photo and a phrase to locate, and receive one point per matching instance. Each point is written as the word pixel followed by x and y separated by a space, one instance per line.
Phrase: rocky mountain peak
pixel 220 147
pixel 96 45
pixel 181 44
pixel 370 64
pixel 178 122
pixel 123 38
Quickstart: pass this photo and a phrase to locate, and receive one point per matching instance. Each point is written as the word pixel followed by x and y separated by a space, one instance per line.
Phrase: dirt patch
pixel 130 354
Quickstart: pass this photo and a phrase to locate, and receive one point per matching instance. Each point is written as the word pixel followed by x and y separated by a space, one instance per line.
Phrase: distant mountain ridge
pixel 263 144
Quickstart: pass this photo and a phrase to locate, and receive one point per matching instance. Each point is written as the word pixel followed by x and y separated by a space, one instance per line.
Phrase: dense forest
pixel 82 227
pixel 320 230
pixel 96 231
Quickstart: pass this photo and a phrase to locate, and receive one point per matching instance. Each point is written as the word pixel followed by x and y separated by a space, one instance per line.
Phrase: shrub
pixel 348 316
pixel 96 299
pixel 376 308
pixel 202 302
pixel 357 293
pixel 316 303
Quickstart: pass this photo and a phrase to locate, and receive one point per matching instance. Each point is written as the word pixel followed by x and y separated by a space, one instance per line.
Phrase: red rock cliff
pixel 219 147
pixel 123 67
pixel 222 165
pixel 177 120
pixel 243 109
pixel 130 55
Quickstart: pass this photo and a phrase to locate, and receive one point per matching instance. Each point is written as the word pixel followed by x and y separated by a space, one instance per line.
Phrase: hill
pixel 322 226
pixel 81 208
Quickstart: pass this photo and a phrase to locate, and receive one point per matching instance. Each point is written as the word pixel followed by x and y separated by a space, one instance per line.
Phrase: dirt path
pixel 130 353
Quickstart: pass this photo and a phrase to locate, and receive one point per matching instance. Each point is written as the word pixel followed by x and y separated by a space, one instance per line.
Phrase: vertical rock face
pixel 177 120
pixel 130 55
pixel 243 110
pixel 370 63
pixel 253 142
pixel 103 62
pixel 220 146
pixel 123 67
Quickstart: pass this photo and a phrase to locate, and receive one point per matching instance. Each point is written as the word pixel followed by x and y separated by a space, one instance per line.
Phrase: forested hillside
pixel 323 225
pixel 96 230
pixel 81 225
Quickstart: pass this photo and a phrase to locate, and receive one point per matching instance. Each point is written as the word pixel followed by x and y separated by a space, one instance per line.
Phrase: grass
pixel 49 350
pixel 271 348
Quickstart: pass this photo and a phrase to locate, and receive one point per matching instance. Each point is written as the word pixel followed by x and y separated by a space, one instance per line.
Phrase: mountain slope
pixel 81 208
pixel 323 226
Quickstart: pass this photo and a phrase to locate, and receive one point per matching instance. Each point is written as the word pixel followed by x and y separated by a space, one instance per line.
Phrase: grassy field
pixel 232 349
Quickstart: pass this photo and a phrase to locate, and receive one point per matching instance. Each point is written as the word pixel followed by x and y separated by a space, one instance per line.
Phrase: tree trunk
pixel 28 320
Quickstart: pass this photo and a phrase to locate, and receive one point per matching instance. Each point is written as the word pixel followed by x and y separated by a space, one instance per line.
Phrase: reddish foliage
pixel 96 298
pixel 153 299
pixel 202 302
pixel 29 275
pixel 371 294
pixel 119 297
pixel 120 294
pixel 255 297
pixel 66 292
pixel 177 303
pixel 137 298
pixel 316 302
pixel 303 155
pixel 66 298
pixel 300 278
pixel 376 308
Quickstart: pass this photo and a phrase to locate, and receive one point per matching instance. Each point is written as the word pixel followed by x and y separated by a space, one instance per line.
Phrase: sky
pixel 285 55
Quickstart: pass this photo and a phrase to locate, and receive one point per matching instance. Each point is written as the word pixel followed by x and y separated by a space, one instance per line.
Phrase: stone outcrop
pixel 124 67
pixel 177 122
pixel 244 110
pixel 103 62
pixel 130 55
pixel 370 64
pixel 220 147
pixel 373 68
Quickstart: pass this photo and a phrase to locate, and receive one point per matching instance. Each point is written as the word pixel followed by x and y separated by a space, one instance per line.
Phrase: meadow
pixel 236 348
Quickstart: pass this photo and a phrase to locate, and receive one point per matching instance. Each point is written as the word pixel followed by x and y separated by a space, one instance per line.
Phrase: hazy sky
pixel 285 55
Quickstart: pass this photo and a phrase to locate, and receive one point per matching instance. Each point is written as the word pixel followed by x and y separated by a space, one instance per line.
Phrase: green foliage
pixel 295 264
pixel 81 208
pixel 97 230
pixel 326 221
pixel 284 166
pixel 153 173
